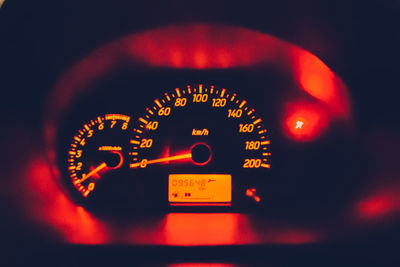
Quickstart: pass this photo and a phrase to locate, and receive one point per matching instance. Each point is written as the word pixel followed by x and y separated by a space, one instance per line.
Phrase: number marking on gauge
pixel 202 99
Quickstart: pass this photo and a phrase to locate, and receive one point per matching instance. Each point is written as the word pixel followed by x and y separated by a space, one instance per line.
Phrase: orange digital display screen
pixel 184 189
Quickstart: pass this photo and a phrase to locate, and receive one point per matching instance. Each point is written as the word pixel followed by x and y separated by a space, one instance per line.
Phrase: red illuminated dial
pixel 200 130
pixel 97 149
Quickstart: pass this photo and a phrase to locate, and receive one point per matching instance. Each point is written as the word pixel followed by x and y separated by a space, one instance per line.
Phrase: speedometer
pixel 206 144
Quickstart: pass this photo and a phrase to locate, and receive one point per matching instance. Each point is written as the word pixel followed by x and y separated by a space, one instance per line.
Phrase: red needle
pixel 96 170
pixel 145 162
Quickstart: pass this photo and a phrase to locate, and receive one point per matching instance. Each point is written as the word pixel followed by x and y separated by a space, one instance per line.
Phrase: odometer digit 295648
pixel 206 143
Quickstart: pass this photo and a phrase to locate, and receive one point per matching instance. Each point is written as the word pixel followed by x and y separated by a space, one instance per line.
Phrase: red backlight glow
pixel 47 205
pixel 304 121
pixel 204 46
pixel 190 46
pixel 319 81
pixel 379 205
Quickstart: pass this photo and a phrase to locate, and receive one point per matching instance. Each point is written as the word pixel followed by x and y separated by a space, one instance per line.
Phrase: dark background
pixel 359 40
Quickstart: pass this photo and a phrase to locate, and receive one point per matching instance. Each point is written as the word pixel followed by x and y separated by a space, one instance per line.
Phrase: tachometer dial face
pixel 201 141
pixel 98 149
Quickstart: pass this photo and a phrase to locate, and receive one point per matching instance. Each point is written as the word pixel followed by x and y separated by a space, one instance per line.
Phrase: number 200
pixel 252 163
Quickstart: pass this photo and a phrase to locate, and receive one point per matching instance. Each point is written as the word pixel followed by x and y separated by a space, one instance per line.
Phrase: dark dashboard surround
pixel 357 40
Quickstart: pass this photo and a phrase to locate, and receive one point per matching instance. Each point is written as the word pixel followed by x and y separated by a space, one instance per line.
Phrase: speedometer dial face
pixel 202 142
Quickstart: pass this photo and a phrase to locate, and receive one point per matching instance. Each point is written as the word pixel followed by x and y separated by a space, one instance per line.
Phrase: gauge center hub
pixel 201 154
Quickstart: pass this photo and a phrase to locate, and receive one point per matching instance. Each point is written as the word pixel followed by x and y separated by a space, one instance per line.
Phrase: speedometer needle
pixel 145 162
pixel 96 170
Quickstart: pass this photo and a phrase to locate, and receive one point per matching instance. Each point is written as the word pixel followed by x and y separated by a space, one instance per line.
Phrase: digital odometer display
pixel 199 188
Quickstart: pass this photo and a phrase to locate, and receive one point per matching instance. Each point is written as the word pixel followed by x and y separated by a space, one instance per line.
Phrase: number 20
pixel 146 143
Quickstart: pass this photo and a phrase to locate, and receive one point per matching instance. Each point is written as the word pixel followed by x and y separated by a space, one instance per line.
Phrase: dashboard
pixel 246 135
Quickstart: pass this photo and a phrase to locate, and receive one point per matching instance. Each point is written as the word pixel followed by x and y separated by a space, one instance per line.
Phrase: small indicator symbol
pixel 299 124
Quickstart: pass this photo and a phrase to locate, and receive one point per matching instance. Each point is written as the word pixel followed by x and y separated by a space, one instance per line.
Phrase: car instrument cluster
pixel 194 142
pixel 187 126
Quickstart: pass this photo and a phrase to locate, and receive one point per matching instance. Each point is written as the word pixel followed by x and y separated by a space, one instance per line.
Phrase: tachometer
pixel 97 149
pixel 202 142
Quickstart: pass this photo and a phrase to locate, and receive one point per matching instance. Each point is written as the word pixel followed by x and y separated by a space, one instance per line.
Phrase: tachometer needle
pixel 96 170
pixel 146 162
